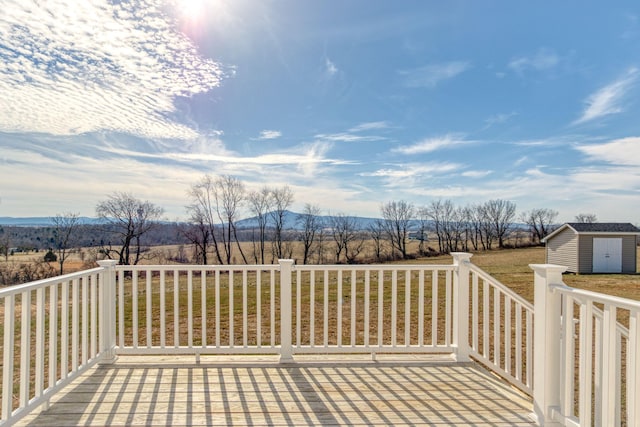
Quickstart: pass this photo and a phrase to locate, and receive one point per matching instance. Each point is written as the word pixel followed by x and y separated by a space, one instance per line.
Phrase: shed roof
pixel 596 228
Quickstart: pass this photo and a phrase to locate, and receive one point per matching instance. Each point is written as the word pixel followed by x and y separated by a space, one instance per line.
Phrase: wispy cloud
pixel 607 100
pixel 543 59
pixel 330 68
pixel 497 119
pixel 270 134
pixel 370 126
pixel 76 67
pixel 431 75
pixel 625 151
pixel 433 144
pixel 356 133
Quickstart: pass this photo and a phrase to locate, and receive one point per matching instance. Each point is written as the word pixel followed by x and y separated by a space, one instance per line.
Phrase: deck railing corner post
pixel 546 342
pixel 461 261
pixel 286 295
pixel 107 311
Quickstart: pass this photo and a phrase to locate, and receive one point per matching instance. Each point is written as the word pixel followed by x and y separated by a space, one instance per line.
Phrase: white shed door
pixel 607 255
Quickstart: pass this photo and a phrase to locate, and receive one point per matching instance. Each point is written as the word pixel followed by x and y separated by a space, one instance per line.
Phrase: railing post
pixel 546 342
pixel 286 349
pixel 107 311
pixel 461 261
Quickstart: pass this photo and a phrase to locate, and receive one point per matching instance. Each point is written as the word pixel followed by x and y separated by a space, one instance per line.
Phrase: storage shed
pixel 604 247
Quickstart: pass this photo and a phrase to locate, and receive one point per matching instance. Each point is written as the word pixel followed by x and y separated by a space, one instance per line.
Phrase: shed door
pixel 607 255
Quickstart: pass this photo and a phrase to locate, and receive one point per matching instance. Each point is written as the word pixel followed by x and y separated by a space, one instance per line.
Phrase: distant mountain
pixel 293 221
pixel 41 221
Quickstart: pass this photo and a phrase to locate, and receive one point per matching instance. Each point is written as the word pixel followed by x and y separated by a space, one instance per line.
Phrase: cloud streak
pixel 429 145
pixel 543 59
pixel 78 67
pixel 607 100
pixel 431 75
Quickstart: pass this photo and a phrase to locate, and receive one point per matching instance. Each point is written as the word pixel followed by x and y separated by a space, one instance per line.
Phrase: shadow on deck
pixel 312 391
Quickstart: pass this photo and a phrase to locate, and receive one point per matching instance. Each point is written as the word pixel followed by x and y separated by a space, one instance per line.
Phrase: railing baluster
pixel 259 308
pixel 474 311
pixel 190 308
pixel 496 326
pixel 518 348
pixel 176 308
pixel 40 340
pixel 407 308
pixel 75 315
pixel 120 308
pixel 135 325
pixel 149 294
pixel 312 309
pixel 245 304
pixel 339 308
pixel 421 308
pixel 25 348
pixel 568 355
pixel 326 308
pixel 633 369
pixel 273 308
pixel 367 305
pixel 298 306
pixel 586 344
pixel 380 332
pixel 163 309
pixel 85 321
pixel 353 308
pixel 394 307
pixel 53 332
pixel 448 308
pixel 203 307
pixel 64 330
pixel 610 392
pixel 434 308
pixel 232 311
pixel 529 348
pixel 507 334
pixel 7 359
pixel 218 317
pixel 485 319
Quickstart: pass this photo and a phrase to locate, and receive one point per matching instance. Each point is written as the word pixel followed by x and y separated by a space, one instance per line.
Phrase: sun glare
pixel 193 10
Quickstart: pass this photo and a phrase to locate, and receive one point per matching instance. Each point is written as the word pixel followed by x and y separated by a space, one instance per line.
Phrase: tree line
pixel 215 204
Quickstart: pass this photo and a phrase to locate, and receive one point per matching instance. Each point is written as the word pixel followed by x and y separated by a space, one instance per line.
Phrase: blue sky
pixel 350 103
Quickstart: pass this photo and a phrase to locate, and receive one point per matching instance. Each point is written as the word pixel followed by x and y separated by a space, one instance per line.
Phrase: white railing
pixel 587 355
pixel 243 309
pixel 501 329
pixel 52 331
pixel 576 352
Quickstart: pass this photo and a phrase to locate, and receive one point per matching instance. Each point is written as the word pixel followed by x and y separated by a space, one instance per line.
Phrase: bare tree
pixel 202 211
pixel 311 224
pixel 500 214
pixel 5 244
pixel 347 238
pixel 586 217
pixel 377 234
pixel 259 204
pixel 64 229
pixel 229 195
pixel 197 232
pixel 540 222
pixel 282 199
pixel 128 219
pixel 397 216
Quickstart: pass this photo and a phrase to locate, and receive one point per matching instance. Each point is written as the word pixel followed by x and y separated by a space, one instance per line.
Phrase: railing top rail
pixel 364 267
pixel 503 288
pixel 198 267
pixel 31 286
pixel 581 295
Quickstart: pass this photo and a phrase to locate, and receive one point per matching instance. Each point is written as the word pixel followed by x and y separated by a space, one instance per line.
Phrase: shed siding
pixel 585 254
pixel 629 247
pixel 562 250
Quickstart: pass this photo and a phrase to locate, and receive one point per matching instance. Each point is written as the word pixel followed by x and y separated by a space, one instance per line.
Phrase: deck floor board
pixel 259 391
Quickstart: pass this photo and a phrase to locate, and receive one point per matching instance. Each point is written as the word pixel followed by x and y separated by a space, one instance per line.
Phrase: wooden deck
pixel 259 391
